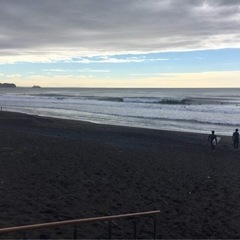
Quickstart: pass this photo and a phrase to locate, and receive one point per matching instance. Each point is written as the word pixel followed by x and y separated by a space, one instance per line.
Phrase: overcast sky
pixel 79 42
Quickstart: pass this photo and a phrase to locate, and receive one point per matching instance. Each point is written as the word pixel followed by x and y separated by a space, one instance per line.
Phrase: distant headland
pixel 36 86
pixel 7 85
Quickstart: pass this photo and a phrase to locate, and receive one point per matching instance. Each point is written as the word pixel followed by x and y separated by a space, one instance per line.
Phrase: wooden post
pixel 75 232
pixel 135 228
pixel 109 229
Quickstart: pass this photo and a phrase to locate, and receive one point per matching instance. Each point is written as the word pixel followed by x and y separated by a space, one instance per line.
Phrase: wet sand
pixel 53 169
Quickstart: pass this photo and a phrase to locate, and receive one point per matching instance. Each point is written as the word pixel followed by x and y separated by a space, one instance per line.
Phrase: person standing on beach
pixel 212 137
pixel 235 138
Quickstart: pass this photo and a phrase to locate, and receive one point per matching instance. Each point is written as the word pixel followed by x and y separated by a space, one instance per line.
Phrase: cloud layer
pixel 58 29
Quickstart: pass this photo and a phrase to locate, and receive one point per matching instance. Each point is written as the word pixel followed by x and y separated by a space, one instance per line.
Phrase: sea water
pixel 189 110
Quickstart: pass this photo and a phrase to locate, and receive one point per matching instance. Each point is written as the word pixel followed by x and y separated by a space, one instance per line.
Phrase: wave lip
pixel 154 100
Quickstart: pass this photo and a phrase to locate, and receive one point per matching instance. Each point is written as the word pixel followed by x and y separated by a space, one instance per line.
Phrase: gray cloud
pixel 51 28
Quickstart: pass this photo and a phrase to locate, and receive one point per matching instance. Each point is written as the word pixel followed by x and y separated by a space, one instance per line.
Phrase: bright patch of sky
pixel 133 65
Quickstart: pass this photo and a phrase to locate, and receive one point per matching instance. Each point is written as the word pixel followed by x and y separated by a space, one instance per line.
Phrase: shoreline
pixel 125 126
pixel 54 169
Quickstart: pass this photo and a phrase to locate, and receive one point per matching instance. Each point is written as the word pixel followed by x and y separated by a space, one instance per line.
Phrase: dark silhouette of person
pixel 211 138
pixel 235 138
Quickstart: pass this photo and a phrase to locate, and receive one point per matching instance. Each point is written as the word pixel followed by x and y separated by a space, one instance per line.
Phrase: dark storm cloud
pixel 81 27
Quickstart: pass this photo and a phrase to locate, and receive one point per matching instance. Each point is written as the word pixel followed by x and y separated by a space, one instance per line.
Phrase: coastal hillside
pixel 7 85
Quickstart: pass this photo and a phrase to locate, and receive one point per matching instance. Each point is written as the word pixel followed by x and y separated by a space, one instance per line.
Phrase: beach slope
pixel 54 169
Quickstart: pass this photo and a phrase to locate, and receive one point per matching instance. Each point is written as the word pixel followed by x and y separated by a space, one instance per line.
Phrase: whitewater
pixel 188 110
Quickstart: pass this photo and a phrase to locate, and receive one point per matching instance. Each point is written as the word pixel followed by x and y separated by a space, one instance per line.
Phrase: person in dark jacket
pixel 235 138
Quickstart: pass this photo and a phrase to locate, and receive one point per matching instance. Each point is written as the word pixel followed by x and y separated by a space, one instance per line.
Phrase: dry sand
pixel 53 169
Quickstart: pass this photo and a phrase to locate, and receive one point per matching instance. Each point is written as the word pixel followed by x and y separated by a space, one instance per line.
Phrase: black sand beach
pixel 53 169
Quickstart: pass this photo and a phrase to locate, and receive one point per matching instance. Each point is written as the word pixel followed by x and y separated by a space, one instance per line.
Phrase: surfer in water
pixel 235 138
pixel 212 137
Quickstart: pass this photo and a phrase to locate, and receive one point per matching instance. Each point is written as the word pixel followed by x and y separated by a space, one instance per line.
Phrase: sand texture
pixel 53 169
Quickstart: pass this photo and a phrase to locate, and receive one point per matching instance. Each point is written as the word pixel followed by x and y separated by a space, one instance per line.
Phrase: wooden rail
pixel 75 222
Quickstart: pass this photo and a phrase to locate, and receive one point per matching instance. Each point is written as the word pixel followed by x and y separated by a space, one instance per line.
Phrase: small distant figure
pixel 235 138
pixel 212 138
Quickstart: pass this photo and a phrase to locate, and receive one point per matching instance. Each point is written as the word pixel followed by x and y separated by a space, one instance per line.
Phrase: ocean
pixel 187 110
